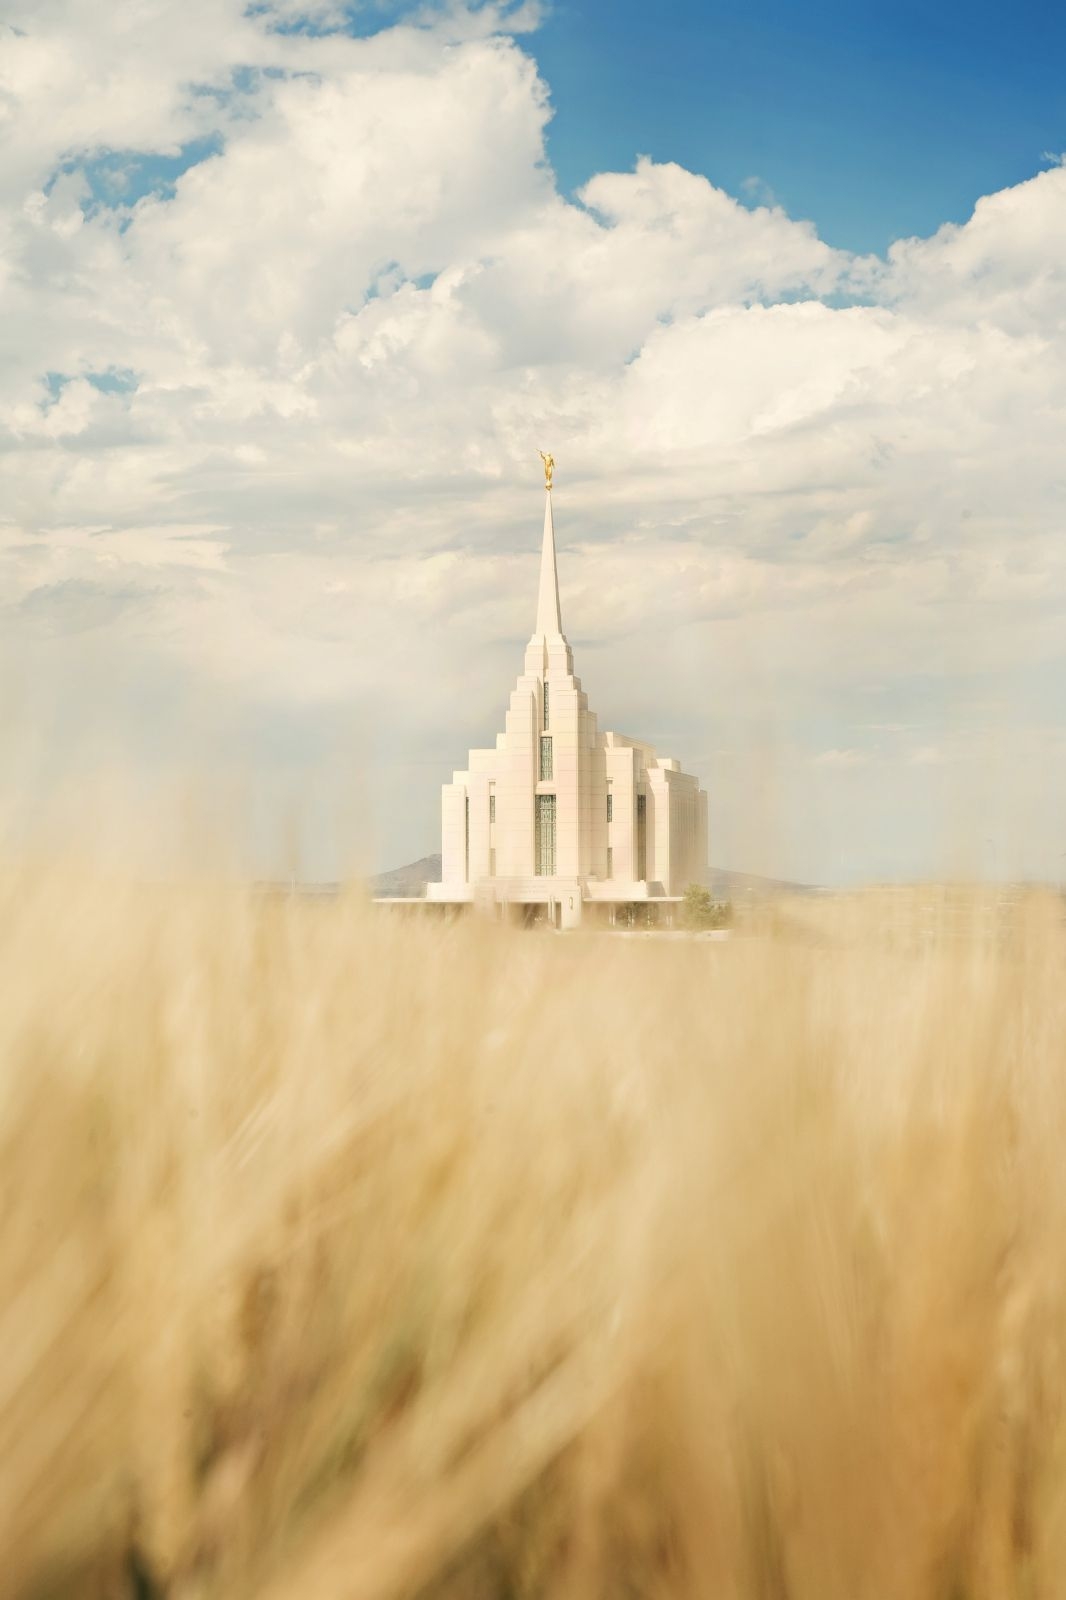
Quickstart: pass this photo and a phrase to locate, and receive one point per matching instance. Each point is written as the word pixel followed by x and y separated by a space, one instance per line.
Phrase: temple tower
pixel 556 810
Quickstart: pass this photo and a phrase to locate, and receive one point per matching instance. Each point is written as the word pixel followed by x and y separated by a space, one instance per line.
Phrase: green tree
pixel 700 910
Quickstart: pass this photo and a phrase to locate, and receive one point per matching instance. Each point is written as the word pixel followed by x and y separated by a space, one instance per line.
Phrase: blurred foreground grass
pixel 344 1256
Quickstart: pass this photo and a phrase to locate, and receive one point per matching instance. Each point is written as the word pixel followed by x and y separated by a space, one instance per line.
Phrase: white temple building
pixel 557 818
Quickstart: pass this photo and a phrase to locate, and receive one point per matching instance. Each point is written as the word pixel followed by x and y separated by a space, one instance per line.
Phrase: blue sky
pixel 875 121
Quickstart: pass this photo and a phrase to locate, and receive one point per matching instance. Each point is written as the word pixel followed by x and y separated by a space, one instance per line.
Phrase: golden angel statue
pixel 549 468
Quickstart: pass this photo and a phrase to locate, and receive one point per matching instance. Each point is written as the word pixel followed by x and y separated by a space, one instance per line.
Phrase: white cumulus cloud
pixel 288 312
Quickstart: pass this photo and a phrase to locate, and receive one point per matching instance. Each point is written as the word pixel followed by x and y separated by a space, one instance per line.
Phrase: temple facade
pixel 558 818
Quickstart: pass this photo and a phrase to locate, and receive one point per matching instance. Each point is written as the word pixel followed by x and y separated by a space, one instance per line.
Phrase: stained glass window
pixel 642 837
pixel 545 836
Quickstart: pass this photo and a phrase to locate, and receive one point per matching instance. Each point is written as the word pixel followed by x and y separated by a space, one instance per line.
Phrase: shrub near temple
pixel 700 911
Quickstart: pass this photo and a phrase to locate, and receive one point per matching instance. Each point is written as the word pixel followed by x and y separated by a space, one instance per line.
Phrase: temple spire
pixel 549 616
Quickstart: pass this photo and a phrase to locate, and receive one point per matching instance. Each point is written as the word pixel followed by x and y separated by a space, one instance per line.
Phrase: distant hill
pixel 409 882
pixel 726 885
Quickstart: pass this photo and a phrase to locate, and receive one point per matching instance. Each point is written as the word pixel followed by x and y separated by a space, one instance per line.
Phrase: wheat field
pixel 346 1255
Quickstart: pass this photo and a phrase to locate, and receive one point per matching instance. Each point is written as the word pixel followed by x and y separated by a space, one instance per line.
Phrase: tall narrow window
pixel 547 723
pixel 545 758
pixel 545 844
pixel 610 806
pixel 610 862
pixel 492 806
pixel 642 837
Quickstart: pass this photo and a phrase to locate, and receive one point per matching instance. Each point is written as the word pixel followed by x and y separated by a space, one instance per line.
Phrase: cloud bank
pixel 287 313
